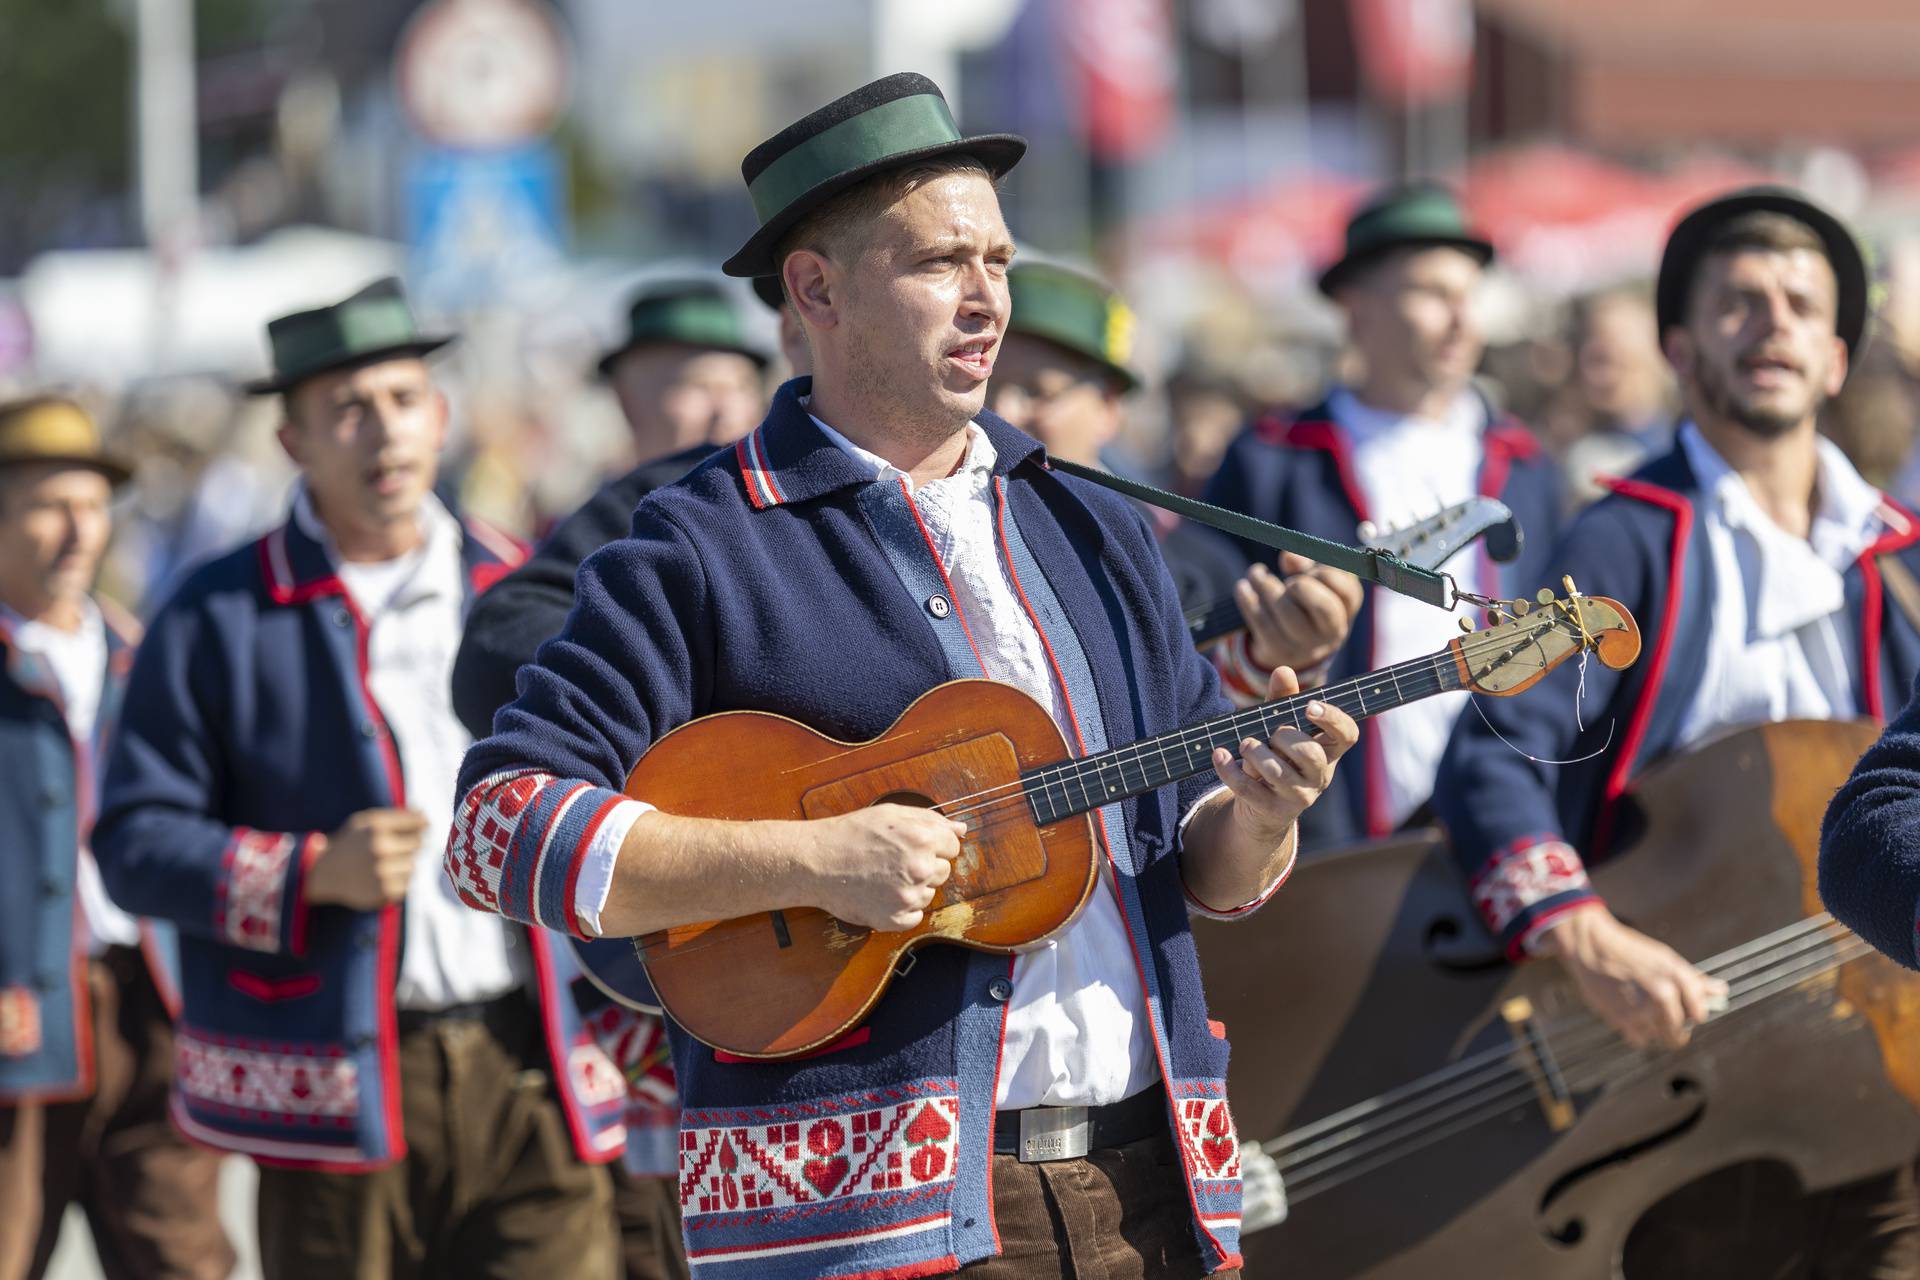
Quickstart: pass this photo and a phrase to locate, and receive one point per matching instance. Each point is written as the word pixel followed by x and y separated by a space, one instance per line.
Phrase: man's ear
pixel 812 283
pixel 1677 345
pixel 1837 371
pixel 289 436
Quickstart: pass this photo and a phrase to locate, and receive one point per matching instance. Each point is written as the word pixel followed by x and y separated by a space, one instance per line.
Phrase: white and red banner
pixel 1414 52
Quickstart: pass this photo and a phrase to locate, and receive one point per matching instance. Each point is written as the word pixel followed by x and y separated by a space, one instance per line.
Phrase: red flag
pixel 1414 51
pixel 1122 55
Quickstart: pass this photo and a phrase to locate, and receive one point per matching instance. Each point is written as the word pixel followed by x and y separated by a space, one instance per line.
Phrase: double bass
pixel 1436 1111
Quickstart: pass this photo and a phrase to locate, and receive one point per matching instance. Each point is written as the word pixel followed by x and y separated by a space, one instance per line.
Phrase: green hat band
pixel 698 320
pixel 353 327
pixel 891 129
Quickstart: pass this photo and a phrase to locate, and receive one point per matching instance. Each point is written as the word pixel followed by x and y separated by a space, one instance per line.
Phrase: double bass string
pixel 1760 969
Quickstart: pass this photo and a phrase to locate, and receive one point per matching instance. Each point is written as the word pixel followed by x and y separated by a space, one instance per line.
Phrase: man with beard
pixel 1749 555
pixel 1411 435
pixel 881 534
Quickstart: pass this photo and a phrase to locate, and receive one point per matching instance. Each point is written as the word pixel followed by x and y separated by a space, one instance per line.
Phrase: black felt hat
pixel 694 313
pixel 1692 234
pixel 1407 217
pixel 896 121
pixel 768 290
pixel 374 324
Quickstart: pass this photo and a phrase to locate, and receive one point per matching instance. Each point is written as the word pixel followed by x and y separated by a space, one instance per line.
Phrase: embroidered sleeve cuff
pixel 260 900
pixel 596 870
pixel 1244 681
pixel 1199 908
pixel 519 845
pixel 1527 886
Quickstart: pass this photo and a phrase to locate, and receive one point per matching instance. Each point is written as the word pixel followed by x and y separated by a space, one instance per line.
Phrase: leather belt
pixel 1036 1134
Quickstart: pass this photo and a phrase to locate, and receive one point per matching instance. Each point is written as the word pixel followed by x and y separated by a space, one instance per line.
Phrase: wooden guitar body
pixel 1370 985
pixel 782 983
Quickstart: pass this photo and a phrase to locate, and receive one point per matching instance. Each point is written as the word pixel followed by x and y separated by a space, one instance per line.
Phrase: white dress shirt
pixel 414 608
pixel 1781 646
pixel 77 660
pixel 1408 467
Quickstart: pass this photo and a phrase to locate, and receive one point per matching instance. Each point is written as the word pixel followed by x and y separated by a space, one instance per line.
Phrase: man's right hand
pixel 1641 988
pixel 880 868
pixel 368 862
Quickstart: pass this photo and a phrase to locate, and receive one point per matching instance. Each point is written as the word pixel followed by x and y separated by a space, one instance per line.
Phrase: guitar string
pixel 1018 793
pixel 1575 1033
pixel 1571 1059
pixel 1358 1164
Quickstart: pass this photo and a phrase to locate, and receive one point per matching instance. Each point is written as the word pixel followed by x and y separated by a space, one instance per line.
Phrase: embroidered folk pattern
pixel 276 1084
pixel 1520 877
pixel 905 1146
pixel 637 1044
pixel 482 831
pixel 596 1081
pixel 19 1022
pixel 1206 1131
pixel 248 903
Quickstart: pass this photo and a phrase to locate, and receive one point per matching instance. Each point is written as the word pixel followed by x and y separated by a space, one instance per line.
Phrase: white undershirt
pixel 1781 646
pixel 414 606
pixel 1407 468
pixel 77 660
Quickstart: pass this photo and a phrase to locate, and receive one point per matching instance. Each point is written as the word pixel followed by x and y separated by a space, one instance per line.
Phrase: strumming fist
pixel 880 867
pixel 368 862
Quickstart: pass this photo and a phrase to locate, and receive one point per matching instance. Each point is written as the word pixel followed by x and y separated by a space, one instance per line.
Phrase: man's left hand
pixel 1299 620
pixel 1274 781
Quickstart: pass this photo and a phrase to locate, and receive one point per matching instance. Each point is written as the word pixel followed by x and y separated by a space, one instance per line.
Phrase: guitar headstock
pixel 1531 637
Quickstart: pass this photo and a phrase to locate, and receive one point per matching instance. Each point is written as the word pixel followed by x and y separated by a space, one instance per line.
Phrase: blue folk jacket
pixel 1298 472
pixel 248 732
pixel 749 584
pixel 47 801
pixel 1638 545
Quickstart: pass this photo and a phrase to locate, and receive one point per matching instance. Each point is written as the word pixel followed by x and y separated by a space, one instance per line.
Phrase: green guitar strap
pixel 1369 564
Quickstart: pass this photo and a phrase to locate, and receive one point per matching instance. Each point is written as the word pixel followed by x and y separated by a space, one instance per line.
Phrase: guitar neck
pixel 1071 787
pixel 1208 622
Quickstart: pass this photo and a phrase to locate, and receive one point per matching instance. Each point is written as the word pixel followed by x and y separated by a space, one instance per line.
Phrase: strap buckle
pixel 1054 1133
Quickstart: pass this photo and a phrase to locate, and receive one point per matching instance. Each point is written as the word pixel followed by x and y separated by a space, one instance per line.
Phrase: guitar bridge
pixel 1556 1100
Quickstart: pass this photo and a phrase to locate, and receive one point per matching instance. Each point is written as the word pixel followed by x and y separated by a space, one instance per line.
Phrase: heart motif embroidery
pixel 1218 1146
pixel 827 1169
pixel 928 1130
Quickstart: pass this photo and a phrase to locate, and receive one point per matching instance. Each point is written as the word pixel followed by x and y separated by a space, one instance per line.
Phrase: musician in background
pixel 411 1078
pixel 1061 375
pixel 881 534
pixel 1752 556
pixel 1412 435
pixel 86 1027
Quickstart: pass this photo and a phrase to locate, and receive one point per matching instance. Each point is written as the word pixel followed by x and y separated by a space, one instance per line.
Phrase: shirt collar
pixel 1849 516
pixel 440 571
pixel 977 463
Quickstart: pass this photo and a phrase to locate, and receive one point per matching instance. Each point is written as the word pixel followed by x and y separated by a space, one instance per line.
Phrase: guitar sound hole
pixel 907 798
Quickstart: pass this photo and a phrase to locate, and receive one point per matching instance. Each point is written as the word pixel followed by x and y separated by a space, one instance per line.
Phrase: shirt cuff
pixel 1199 908
pixel 596 865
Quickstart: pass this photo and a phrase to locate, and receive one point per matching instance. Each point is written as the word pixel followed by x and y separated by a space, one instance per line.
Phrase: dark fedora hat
pixel 1404 217
pixel 692 312
pixel 895 121
pixel 1694 232
pixel 53 429
pixel 768 290
pixel 1075 310
pixel 371 325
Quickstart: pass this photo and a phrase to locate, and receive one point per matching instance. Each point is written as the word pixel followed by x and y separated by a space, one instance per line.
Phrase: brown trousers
pixel 649 1212
pixel 490 1186
pixel 150 1198
pixel 1118 1214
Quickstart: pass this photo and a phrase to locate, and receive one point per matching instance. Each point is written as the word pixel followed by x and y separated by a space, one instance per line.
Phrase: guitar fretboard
pixel 1059 791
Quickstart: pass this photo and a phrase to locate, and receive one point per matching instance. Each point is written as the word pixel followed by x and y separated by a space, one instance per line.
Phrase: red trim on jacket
pixel 1873 606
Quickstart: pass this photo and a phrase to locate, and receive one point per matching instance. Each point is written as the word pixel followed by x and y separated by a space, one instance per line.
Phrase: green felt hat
pixel 372 325
pixel 1693 233
pixel 1075 310
pixel 694 313
pixel 1410 217
pixel 896 121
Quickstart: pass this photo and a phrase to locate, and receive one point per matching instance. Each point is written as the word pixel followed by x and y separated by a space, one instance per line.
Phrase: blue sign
pixel 481 223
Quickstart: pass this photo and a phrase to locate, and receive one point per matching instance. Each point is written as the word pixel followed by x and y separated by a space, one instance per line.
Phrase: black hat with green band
pixel 372 325
pixel 1421 216
pixel 1074 310
pixel 693 313
pixel 900 120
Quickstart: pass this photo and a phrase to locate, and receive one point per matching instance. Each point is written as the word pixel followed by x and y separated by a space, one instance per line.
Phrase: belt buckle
pixel 1054 1133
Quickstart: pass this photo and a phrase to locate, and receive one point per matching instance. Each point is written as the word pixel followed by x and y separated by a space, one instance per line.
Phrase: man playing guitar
pixel 881 534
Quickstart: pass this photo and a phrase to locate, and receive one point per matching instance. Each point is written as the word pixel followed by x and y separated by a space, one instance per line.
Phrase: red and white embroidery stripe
pixel 483 829
pixel 273 1082
pixel 251 898
pixel 1523 875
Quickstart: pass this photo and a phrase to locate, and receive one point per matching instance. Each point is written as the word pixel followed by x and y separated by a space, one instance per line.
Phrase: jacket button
pixel 938 606
pixel 52 888
pixel 1001 989
pixel 369 730
pixel 341 618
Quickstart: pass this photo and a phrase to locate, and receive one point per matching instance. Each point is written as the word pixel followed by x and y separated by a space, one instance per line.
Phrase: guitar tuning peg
pixel 1545 595
pixel 1523 607
pixel 1566 580
pixel 1466 625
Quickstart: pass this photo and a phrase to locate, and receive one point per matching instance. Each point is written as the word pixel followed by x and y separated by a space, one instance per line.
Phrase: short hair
pixel 1765 231
pixel 836 227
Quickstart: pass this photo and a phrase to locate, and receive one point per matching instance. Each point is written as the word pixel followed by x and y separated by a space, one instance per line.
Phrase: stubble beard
pixel 1717 391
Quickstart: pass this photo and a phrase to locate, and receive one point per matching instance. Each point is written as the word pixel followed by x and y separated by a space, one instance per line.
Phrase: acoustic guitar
pixel 1426 544
pixel 1513 1136
pixel 782 983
